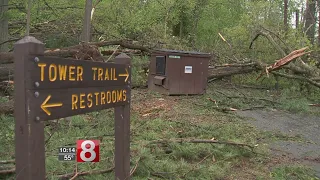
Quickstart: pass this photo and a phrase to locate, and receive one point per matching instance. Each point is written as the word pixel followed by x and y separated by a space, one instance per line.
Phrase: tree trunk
pixel 285 15
pixel 86 35
pixel 3 26
pixel 297 19
pixel 318 3
pixel 29 17
pixel 310 23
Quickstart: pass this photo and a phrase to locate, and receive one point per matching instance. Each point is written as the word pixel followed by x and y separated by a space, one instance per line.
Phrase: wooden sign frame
pixel 36 100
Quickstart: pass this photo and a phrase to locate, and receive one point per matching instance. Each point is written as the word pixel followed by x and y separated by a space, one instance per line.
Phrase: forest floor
pixel 284 140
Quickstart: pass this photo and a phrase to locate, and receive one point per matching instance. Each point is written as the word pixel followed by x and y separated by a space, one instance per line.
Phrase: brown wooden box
pixel 178 72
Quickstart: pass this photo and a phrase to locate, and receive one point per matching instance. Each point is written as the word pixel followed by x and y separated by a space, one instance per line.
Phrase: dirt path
pixel 306 126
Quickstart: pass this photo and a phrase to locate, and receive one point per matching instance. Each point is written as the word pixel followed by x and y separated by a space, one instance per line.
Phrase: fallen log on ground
pixel 82 51
pixel 226 71
pixel 8 171
pixel 6 72
pixel 298 73
pixel 86 51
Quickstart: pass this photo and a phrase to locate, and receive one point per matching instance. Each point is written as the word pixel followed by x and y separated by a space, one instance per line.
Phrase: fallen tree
pixel 6 72
pixel 82 51
pixel 225 70
pixel 233 69
pixel 298 70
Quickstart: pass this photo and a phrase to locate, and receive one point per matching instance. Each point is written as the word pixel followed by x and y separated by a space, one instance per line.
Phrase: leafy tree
pixel 3 25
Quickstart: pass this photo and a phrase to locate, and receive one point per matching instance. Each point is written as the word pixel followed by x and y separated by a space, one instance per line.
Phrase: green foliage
pixel 193 24
pixel 7 134
pixel 182 24
pixel 139 74
pixel 3 99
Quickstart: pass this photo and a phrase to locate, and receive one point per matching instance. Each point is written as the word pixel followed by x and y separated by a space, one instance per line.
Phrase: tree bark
pixel 6 72
pixel 285 15
pixel 86 35
pixel 3 25
pixel 310 18
pixel 318 3
pixel 28 17
pixel 227 71
pixel 297 19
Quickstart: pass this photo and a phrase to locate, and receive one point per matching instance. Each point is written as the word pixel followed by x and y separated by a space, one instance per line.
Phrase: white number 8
pixel 86 150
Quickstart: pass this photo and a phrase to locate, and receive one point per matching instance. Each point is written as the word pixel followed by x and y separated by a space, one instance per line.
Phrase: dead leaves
pixel 153 107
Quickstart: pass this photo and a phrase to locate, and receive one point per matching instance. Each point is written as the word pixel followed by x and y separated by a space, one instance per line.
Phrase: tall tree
pixel 310 23
pixel 3 25
pixel 285 16
pixel 297 18
pixel 86 34
pixel 28 17
pixel 318 3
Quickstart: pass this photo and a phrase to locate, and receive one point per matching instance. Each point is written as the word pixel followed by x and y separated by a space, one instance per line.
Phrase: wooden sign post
pixel 48 88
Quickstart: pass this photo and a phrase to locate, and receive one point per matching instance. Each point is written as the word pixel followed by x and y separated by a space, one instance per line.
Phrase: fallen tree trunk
pixel 6 72
pixel 83 51
pixel 6 57
pixel 226 70
pixel 117 52
pixel 87 51
pixel 222 72
pixel 298 67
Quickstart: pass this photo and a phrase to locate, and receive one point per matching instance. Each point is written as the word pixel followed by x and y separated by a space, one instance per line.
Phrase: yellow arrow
pixel 125 75
pixel 44 105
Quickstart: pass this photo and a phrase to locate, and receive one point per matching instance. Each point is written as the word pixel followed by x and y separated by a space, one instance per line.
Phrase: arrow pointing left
pixel 44 106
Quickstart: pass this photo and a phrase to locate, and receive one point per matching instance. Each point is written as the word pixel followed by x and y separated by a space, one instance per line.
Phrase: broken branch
pixel 303 79
pixel 9 171
pixel 69 175
pixel 179 140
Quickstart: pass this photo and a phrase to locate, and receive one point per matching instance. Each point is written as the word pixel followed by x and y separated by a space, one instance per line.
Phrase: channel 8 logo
pixel 88 150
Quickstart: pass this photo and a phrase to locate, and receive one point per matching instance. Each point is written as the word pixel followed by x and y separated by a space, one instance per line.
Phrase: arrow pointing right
pixel 125 75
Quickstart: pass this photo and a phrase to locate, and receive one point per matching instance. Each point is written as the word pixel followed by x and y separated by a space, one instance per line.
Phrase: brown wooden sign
pixel 53 104
pixel 48 88
pixel 59 87
pixel 58 73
